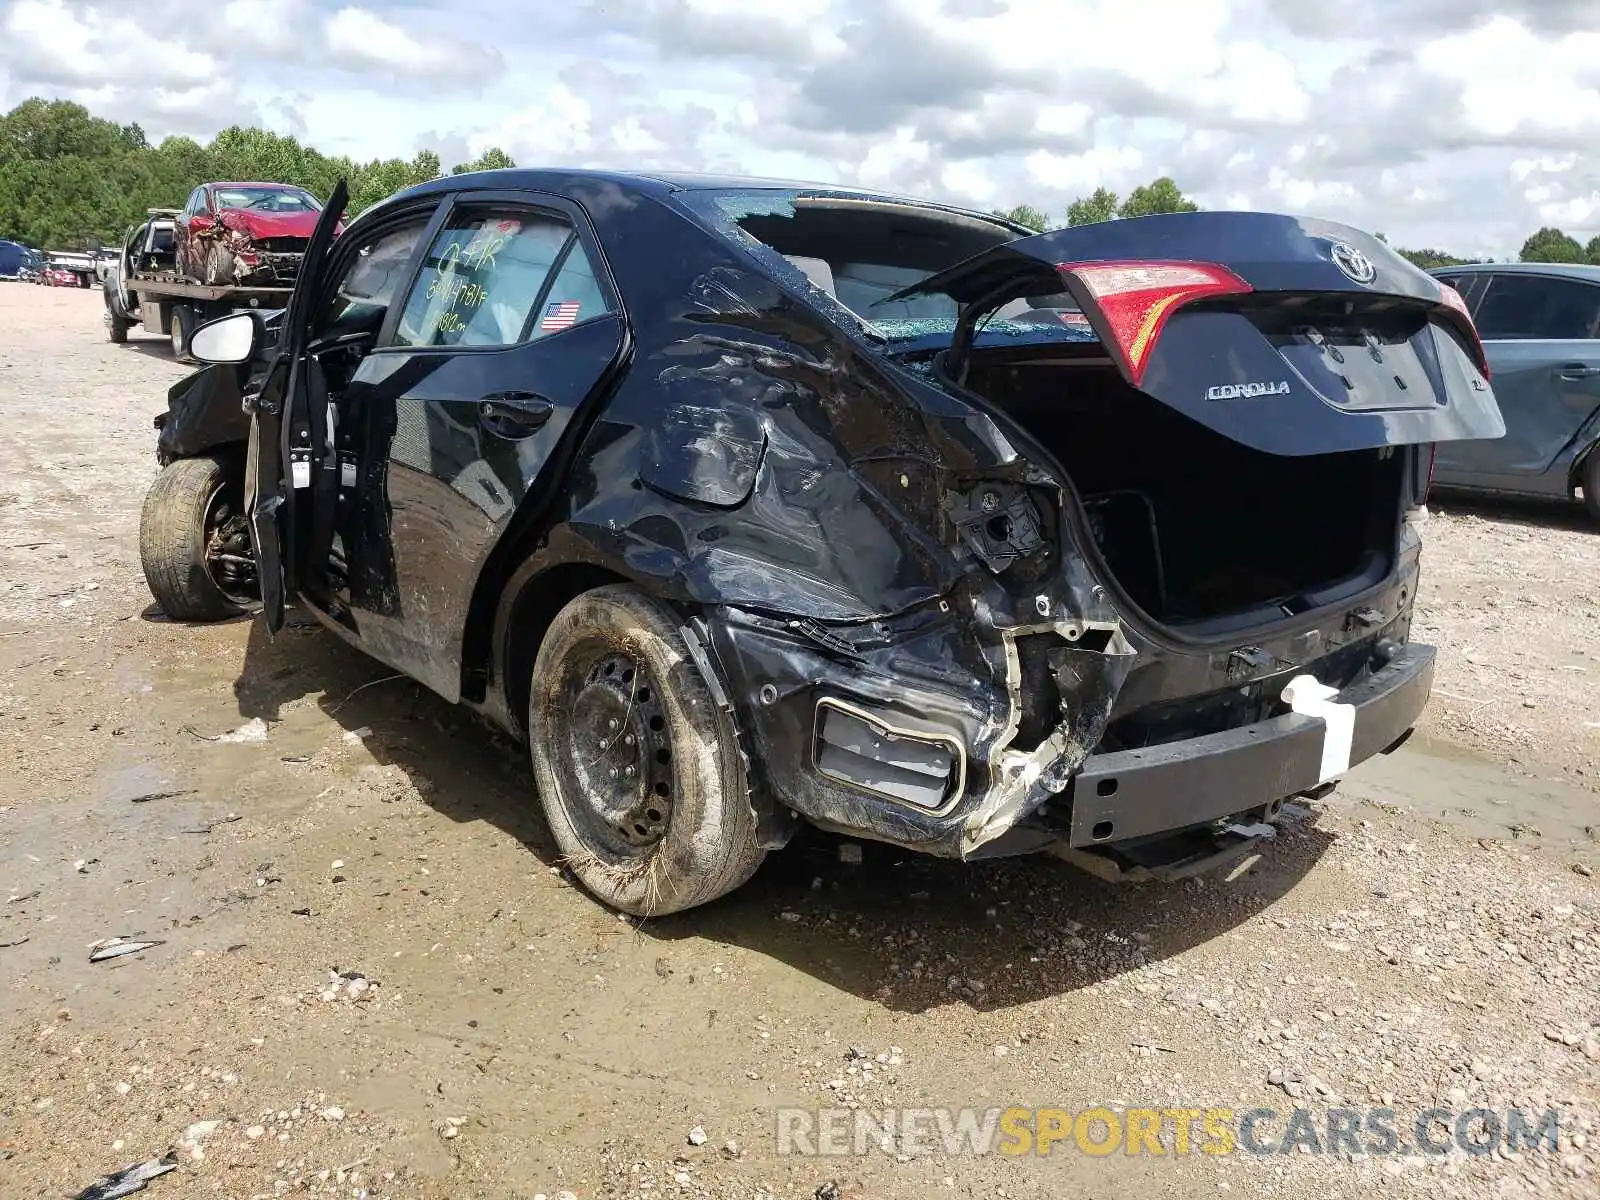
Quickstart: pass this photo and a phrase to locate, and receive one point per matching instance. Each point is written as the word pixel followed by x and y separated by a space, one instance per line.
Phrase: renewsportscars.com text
pixel 1157 1132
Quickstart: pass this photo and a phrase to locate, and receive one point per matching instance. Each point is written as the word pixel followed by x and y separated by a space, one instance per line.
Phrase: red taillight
pixel 1453 299
pixel 1136 298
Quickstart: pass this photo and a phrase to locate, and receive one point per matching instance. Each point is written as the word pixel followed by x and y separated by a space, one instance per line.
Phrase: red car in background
pixel 58 277
pixel 245 233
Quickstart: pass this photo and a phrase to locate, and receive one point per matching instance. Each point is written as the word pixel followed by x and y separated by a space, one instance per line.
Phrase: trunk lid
pixel 1289 335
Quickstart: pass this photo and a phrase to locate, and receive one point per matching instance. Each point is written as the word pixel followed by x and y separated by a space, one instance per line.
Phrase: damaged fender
pixel 912 644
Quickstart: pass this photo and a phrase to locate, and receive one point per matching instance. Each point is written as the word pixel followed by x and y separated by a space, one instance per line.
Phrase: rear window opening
pixel 1204 534
pixel 856 251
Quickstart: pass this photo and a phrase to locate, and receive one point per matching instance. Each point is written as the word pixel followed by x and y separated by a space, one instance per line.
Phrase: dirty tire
pixel 1591 484
pixel 116 328
pixel 180 326
pixel 710 843
pixel 172 538
pixel 218 264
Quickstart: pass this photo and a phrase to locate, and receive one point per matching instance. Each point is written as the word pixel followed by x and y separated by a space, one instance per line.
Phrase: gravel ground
pixel 372 980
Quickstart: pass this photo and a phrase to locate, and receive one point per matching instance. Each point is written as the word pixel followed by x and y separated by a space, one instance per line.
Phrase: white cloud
pixel 1512 79
pixel 63 46
pixel 1458 124
pixel 1079 173
pixel 554 130
pixel 972 180
pixel 364 37
pixel 889 162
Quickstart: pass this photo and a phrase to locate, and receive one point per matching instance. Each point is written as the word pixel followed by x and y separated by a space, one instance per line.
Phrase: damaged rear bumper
pixel 1136 793
pixel 914 734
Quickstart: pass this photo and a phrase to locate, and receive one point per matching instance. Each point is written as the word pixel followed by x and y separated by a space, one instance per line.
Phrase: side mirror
pixel 234 338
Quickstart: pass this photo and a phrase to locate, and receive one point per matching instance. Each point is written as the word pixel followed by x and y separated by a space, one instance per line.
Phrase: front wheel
pixel 194 541
pixel 1591 484
pixel 640 772
pixel 219 264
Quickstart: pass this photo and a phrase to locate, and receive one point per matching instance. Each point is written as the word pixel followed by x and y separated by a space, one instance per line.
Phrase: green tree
pixel 1099 205
pixel 1025 214
pixel 1428 259
pixel 69 179
pixel 1158 196
pixel 492 159
pixel 1592 251
pixel 52 129
pixel 1551 245
pixel 424 166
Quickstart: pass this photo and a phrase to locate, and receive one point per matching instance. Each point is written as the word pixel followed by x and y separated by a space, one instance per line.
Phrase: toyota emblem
pixel 1353 263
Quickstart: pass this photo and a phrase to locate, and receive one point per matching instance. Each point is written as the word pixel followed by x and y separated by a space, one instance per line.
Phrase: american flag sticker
pixel 562 314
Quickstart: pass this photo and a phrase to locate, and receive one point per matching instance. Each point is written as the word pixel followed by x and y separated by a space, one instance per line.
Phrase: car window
pixel 1526 307
pixel 267 199
pixel 372 278
pixel 574 296
pixel 484 273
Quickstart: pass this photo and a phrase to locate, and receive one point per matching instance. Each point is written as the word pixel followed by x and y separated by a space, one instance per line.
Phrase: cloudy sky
pixel 1458 124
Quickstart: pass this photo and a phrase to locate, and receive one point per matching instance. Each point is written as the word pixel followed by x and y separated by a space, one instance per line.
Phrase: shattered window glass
pixel 362 297
pixel 849 253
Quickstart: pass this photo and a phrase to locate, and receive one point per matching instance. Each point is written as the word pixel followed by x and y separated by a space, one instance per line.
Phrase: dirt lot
pixel 1429 936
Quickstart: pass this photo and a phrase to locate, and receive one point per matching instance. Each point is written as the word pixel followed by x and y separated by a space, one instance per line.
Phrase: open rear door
pixel 269 495
pixel 1288 335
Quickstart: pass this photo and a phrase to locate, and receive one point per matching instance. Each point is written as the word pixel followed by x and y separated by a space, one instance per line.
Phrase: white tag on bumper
pixel 1305 695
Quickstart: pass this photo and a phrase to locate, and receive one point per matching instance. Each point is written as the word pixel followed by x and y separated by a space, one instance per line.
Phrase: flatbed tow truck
pixel 143 287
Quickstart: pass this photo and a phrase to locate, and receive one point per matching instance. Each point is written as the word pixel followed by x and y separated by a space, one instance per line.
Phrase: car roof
pixel 244 183
pixel 559 180
pixel 1587 272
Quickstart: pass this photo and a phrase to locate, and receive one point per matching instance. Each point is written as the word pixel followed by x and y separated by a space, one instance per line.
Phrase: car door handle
pixel 1577 371
pixel 514 414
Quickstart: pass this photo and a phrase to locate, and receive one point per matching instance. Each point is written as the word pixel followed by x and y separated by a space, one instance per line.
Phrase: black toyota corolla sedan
pixel 746 504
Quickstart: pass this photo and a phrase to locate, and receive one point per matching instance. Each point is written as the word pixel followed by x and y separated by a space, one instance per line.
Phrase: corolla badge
pixel 1238 391
pixel 1352 262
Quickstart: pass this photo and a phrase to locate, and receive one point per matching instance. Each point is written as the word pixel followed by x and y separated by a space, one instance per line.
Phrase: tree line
pixel 70 180
pixel 1164 196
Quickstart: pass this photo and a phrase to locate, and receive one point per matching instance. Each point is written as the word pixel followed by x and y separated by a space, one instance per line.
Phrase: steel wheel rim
pixel 612 752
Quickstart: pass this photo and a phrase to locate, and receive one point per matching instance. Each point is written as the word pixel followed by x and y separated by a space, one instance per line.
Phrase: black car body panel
pixel 204 411
pixel 890 580
pixel 272 466
pixel 1408 377
pixel 1541 329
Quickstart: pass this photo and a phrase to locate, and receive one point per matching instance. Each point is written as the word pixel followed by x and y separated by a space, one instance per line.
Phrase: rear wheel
pixel 116 328
pixel 639 770
pixel 194 542
pixel 180 325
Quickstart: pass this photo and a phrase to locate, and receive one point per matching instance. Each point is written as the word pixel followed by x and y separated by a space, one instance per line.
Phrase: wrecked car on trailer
pixel 245 233
pixel 746 504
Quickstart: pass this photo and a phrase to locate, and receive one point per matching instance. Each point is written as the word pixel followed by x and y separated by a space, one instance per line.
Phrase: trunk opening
pixel 1204 534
